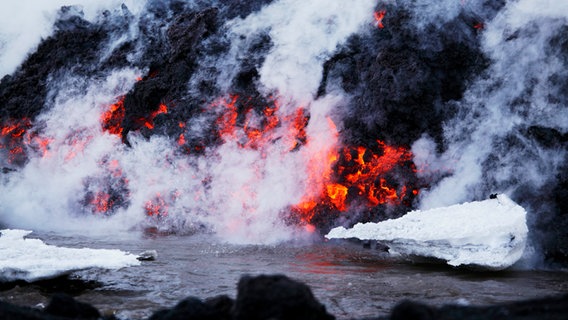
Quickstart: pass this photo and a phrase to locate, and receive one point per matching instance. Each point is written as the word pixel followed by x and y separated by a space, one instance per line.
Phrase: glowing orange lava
pixel 226 123
pixel 149 121
pixel 478 25
pixel 335 178
pixel 254 128
pixel 358 176
pixel 12 139
pixel 379 16
pixel 101 203
pixel 111 119
pixel 156 207
pixel 181 138
pixel 17 138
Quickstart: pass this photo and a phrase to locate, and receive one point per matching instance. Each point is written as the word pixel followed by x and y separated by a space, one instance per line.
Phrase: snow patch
pixel 32 259
pixel 490 234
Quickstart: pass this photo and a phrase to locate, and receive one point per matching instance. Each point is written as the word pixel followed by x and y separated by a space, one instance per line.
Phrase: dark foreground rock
pixel 545 308
pixel 61 307
pixel 278 297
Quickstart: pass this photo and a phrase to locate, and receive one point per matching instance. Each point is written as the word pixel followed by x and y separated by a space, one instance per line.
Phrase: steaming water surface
pixel 352 281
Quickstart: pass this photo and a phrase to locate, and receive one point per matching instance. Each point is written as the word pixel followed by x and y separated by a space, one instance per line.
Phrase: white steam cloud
pixel 23 24
pixel 237 193
pixel 488 150
pixel 304 35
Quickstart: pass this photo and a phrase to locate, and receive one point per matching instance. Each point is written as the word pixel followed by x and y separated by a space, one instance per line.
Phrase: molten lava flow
pixel 77 143
pixel 156 207
pixel 12 139
pixel 379 16
pixel 15 128
pixel 298 128
pixel 318 182
pixel 111 119
pixel 364 171
pixel 478 25
pixel 226 123
pixel 181 138
pixel 337 194
pixel 106 193
pixel 335 179
pixel 358 176
pixel 40 144
pixel 149 121
pixel 17 138
pixel 255 129
pixel 259 129
pixel 101 203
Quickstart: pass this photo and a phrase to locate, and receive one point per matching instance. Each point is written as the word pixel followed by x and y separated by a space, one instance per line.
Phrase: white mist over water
pixel 237 193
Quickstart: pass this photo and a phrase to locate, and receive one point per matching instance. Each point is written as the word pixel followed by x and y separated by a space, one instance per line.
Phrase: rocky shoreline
pixel 280 297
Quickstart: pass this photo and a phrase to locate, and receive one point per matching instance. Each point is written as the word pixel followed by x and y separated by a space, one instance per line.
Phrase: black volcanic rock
pixel 194 309
pixel 546 308
pixel 402 78
pixel 170 71
pixel 13 312
pixel 24 93
pixel 276 297
pixel 65 306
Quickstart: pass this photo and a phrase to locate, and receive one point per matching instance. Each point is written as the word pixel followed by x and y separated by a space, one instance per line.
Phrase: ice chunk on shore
pixel 32 259
pixel 490 234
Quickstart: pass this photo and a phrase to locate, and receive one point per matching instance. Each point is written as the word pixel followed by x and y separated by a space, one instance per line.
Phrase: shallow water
pixel 352 281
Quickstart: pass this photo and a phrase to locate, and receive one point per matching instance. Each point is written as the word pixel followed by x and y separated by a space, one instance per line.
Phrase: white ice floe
pixel 32 259
pixel 490 234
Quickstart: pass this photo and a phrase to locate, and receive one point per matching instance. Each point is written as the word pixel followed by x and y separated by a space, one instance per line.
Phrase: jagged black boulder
pixel 276 297
pixel 554 308
pixel 195 309
pixel 65 306
pixel 9 311
pixel 61 307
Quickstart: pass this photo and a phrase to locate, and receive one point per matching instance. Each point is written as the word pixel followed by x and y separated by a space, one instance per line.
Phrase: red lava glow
pixel 149 121
pixel 357 174
pixel 335 179
pixel 379 16
pixel 17 138
pixel 156 207
pixel 181 138
pixel 12 139
pixel 108 192
pixel 111 119
pixel 101 203
pixel 77 144
pixel 253 129
pixel 226 123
